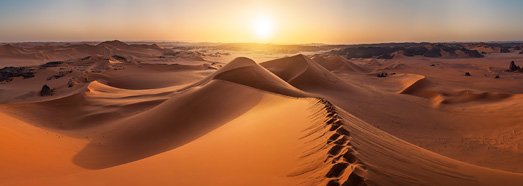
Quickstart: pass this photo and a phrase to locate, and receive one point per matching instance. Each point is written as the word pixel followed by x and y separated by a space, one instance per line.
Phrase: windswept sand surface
pixel 125 116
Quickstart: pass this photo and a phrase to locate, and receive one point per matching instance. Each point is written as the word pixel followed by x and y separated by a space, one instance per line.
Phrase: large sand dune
pixel 288 121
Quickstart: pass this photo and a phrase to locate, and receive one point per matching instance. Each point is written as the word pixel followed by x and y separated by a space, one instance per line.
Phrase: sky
pixel 263 21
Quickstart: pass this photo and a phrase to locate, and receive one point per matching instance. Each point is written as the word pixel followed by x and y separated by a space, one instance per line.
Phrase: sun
pixel 263 28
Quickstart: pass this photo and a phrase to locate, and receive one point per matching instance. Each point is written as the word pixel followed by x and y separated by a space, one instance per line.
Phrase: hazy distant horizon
pixel 207 42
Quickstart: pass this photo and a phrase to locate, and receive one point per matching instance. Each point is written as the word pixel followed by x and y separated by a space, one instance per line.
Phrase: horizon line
pixel 269 43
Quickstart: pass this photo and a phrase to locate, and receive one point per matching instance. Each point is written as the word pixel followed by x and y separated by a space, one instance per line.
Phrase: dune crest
pixel 438 95
pixel 338 63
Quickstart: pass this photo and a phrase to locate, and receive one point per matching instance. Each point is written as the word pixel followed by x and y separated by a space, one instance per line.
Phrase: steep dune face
pixel 177 121
pixel 338 63
pixel 247 72
pixel 305 74
pixel 441 95
pixel 255 76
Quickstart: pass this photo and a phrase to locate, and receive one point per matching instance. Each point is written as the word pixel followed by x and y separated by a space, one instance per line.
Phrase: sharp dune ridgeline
pixel 114 113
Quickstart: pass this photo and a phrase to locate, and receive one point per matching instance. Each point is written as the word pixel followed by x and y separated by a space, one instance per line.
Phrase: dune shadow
pixel 179 120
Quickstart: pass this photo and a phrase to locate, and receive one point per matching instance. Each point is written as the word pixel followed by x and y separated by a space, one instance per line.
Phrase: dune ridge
pixel 426 89
pixel 338 63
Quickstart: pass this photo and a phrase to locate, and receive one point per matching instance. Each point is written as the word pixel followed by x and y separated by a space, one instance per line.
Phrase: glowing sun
pixel 263 28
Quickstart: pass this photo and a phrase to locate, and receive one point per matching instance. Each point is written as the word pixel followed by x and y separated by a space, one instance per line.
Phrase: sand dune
pixel 143 53
pixel 438 94
pixel 288 121
pixel 306 74
pixel 331 147
pixel 338 63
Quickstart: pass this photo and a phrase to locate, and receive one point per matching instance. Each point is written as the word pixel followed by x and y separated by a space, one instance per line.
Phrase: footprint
pixel 337 170
pixel 331 121
pixel 341 141
pixel 334 127
pixel 354 180
pixel 343 131
pixel 335 136
pixel 349 157
pixel 333 183
pixel 335 150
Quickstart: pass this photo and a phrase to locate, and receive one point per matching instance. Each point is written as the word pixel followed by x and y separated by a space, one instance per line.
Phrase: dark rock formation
pixel 467 74
pixel 513 67
pixel 171 53
pixel 364 52
pixel 7 73
pixel 433 52
pixel 46 91
pixel 85 58
pixel 504 50
pixel 415 51
pixel 385 56
pixel 451 49
pixel 60 74
pixel 382 75
pixel 51 64
pixel 386 50
pixel 119 58
pixel 472 53
pixel 497 77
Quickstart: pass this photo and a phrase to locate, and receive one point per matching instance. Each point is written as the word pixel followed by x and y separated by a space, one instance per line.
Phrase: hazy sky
pixel 276 21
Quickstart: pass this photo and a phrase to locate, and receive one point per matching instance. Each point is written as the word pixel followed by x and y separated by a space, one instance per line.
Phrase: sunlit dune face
pixel 263 28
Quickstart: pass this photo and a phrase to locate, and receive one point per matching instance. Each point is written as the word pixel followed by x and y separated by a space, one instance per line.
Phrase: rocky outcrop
pixel 382 75
pixel 387 51
pixel 119 58
pixel 433 52
pixel 51 64
pixel 385 56
pixel 59 75
pixel 46 91
pixel 7 73
pixel 415 51
pixel 368 52
pixel 85 58
pixel 472 53
pixel 504 50
pixel 514 68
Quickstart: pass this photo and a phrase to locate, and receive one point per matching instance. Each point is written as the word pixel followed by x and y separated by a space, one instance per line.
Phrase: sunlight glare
pixel 263 28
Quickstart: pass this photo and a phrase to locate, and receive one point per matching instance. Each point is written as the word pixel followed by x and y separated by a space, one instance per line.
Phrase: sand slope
pixel 315 143
pixel 338 63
